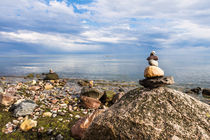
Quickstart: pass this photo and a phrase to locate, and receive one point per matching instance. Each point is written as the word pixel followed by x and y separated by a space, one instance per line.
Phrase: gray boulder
pixel 23 108
pixel 157 82
pixel 91 92
pixel 160 113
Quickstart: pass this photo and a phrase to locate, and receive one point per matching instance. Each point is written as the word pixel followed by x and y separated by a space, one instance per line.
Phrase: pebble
pixel 16 122
pixel 77 116
pixel 20 118
pixel 60 119
pixel 59 137
pixel 47 114
pixel 55 96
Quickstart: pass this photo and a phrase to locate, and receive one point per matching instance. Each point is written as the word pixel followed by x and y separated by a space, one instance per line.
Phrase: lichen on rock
pixel 161 113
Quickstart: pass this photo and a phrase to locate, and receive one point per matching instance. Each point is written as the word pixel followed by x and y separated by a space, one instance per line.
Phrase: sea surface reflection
pixel 188 72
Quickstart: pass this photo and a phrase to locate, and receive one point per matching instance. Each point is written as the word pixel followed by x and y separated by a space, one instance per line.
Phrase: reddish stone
pixel 79 128
pixel 34 88
pixel 6 99
pixel 54 101
pixel 89 102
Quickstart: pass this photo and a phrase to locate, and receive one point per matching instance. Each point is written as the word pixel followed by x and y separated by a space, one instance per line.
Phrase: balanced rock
pixel 79 128
pixel 22 108
pixel 160 113
pixel 157 82
pixel 153 71
pixel 91 92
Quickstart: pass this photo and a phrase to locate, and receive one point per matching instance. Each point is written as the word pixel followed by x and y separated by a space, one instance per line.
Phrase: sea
pixel 187 71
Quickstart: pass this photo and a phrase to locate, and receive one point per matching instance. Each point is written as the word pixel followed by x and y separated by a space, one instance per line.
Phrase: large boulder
pixel 157 82
pixel 91 92
pixel 153 71
pixel 161 113
pixel 23 108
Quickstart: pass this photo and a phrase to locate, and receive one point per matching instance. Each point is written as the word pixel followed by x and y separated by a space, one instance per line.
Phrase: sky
pixel 104 26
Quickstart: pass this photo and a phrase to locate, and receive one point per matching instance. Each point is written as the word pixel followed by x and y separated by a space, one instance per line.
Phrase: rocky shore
pixel 39 108
pixel 33 107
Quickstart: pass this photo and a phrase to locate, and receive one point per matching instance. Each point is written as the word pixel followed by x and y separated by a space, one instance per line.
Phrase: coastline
pixel 59 97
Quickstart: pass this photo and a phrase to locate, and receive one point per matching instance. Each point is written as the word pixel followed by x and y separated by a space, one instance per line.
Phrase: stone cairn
pixel 154 76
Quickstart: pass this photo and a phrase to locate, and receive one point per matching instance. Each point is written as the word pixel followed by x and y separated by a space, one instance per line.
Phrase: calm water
pixel 187 71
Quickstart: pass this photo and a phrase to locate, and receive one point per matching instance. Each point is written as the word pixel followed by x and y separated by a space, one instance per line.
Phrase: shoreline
pixel 58 104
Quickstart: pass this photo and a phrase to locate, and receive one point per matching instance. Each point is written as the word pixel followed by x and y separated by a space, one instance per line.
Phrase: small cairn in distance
pixel 154 76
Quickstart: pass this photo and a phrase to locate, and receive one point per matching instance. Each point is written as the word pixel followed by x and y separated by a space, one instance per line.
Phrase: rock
pixel 83 83
pixel 34 88
pixel 117 97
pixel 121 89
pixel 54 101
pixel 91 84
pixel 1 90
pixel 33 82
pixel 153 63
pixel 47 114
pixel 109 95
pixel 51 76
pixel 59 137
pixel 89 102
pixel 30 76
pixel 153 71
pixel 206 91
pixel 48 86
pixel 160 113
pixel 6 99
pixel 197 90
pixel 22 108
pixel 157 82
pixel 79 128
pixel 11 90
pixel 91 92
pixel 28 124
pixel 16 122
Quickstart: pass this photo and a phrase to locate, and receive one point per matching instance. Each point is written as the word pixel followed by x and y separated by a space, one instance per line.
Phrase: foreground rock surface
pixel 161 113
pixel 157 82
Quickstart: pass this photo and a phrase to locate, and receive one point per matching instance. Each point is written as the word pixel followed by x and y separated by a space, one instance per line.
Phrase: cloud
pixel 54 41
pixel 70 25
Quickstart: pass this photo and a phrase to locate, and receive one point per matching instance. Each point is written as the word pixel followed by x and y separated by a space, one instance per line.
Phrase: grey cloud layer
pixel 107 23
